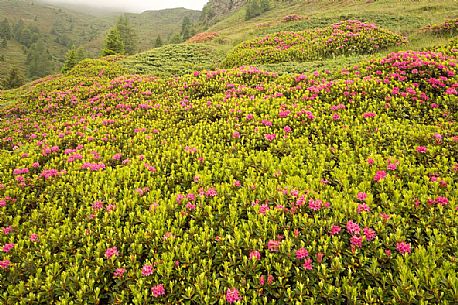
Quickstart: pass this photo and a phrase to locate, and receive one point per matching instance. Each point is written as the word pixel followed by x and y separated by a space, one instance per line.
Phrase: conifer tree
pixel 72 58
pixel 5 30
pixel 158 42
pixel 14 79
pixel 186 28
pixel 39 61
pixel 127 34
pixel 113 43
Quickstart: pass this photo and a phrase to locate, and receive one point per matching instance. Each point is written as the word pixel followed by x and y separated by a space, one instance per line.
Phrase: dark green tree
pixel 5 29
pixel 14 79
pixel 18 28
pixel 186 28
pixel 256 7
pixel 264 5
pixel 113 43
pixel 39 61
pixel 3 43
pixel 128 35
pixel 253 9
pixel 175 39
pixel 158 42
pixel 72 58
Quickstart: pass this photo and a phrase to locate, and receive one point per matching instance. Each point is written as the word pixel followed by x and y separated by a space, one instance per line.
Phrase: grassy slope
pixel 405 17
pixel 87 30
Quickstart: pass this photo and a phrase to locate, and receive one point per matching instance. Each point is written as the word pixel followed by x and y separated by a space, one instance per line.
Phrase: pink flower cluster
pixel 232 295
pixel 111 252
pixel 158 290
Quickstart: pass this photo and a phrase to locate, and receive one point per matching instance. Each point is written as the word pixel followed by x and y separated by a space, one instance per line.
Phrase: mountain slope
pixel 60 28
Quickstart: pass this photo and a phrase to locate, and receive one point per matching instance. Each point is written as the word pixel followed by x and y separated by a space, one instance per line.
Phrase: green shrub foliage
pixel 349 37
pixel 232 186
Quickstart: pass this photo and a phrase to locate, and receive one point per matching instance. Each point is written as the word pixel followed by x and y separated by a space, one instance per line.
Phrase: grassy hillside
pixel 173 60
pixel 83 29
pixel 404 17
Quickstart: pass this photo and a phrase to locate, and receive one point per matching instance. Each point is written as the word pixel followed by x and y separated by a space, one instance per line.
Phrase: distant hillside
pixel 60 27
pixel 216 10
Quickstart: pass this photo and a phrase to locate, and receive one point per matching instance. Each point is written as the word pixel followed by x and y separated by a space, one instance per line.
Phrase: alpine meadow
pixel 251 152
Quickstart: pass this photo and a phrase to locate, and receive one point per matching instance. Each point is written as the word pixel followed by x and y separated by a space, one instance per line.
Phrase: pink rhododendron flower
pixel 255 255
pixel 273 245
pixel 369 115
pixel 7 230
pixel 392 166
pixel 147 270
pixel 302 253
pixel 442 200
pixel 119 272
pixel 232 295
pixel 117 157
pixel 357 241
pixel 263 209
pixel 352 227
pixel 403 248
pixel 363 208
pixel 111 252
pixel 335 230
pixel 261 280
pixel 369 233
pixel 421 149
pixel 379 176
pixel 270 279
pixel 211 192
pixel 97 205
pixel 361 196
pixel 308 264
pixel 270 137
pixel 4 264
pixel 315 205
pixel 8 247
pixel 34 237
pixel 158 290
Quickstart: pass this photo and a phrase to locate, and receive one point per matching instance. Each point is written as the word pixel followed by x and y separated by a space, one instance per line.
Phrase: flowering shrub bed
pixel 449 27
pixel 290 18
pixel 344 38
pixel 171 60
pixel 203 37
pixel 234 186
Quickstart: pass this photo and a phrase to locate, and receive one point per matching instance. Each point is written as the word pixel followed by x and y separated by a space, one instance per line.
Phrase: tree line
pixel 121 39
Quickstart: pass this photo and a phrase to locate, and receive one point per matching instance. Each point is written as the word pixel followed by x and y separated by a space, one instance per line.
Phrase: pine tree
pixel 72 58
pixel 127 34
pixel 113 43
pixel 5 30
pixel 253 9
pixel 39 61
pixel 14 79
pixel 264 5
pixel 186 28
pixel 158 42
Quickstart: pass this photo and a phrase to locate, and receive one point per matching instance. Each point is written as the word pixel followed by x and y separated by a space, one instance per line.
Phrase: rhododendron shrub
pixel 234 187
pixel 349 37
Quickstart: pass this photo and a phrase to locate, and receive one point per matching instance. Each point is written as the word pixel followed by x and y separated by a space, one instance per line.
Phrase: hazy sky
pixel 137 5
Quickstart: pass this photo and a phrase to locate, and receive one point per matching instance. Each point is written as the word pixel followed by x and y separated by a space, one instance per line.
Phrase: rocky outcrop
pixel 215 10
